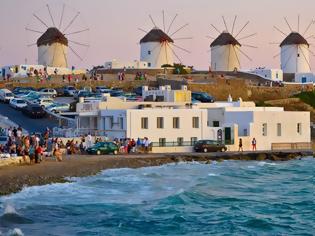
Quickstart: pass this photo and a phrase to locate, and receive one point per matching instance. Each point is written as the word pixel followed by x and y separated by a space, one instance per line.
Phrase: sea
pixel 221 198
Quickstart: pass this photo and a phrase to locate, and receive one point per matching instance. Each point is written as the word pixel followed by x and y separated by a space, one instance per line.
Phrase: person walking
pixel 254 144
pixel 240 145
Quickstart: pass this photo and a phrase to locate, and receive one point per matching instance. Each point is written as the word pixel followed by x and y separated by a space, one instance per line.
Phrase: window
pixel 176 122
pixel 264 129
pixel 180 141
pixel 149 52
pixel 121 122
pixel 245 133
pixel 195 122
pixel 279 131
pixel 193 140
pixel 160 122
pixel 298 55
pixel 144 123
pixel 216 123
pixel 299 128
pixel 149 64
pixel 162 142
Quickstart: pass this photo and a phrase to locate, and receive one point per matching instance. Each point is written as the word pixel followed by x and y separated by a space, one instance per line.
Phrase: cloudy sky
pixel 114 34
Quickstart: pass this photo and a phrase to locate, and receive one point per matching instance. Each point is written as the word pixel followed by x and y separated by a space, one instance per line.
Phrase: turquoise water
pixel 227 198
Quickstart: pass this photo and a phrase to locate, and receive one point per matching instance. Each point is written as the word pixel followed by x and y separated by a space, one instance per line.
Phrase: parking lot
pixel 27 123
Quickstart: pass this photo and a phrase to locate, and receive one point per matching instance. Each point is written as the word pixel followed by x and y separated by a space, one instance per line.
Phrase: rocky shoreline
pixel 14 178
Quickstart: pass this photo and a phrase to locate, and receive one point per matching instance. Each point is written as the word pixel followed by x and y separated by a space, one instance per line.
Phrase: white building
pixel 268 74
pixel 304 78
pixel 52 48
pixel 225 55
pixel 182 123
pixel 295 56
pixel 156 49
pixel 166 94
pixel 21 71
pixel 115 64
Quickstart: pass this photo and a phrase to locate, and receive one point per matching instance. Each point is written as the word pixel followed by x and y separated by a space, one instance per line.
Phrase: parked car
pixel 202 97
pixel 103 148
pixel 60 91
pixel 22 89
pixel 116 93
pixel 44 102
pixel 58 107
pixel 69 91
pixel 82 94
pixel 209 146
pixel 17 103
pixel 34 111
pixel 102 89
pixel 6 95
pixel 4 140
pixel 48 92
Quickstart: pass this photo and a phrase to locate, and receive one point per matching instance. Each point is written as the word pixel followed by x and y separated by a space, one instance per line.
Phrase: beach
pixel 15 178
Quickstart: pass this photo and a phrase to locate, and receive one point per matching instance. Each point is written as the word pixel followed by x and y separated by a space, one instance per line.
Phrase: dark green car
pixel 102 148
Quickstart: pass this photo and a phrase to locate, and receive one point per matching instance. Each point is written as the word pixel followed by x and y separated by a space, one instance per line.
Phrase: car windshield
pixel 97 145
pixel 71 88
pixel 9 94
pixel 20 101
pixel 205 95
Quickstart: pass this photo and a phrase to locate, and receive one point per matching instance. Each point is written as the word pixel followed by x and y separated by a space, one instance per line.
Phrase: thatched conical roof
pixel 294 38
pixel 52 35
pixel 225 39
pixel 156 35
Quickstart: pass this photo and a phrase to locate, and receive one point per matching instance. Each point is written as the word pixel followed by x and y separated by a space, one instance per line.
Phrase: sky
pixel 113 27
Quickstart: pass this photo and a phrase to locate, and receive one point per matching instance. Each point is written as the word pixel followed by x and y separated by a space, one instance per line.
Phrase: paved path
pixel 31 125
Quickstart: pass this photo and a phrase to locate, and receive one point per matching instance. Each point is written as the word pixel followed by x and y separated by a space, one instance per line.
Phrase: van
pixel 6 95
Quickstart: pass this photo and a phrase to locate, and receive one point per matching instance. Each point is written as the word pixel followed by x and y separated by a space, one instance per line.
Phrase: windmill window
pixel 149 52
pixel 298 55
pixel 149 64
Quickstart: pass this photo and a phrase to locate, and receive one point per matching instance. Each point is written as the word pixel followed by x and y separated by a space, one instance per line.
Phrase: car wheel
pixel 53 111
pixel 205 150
pixel 223 149
pixel 98 152
pixel 115 152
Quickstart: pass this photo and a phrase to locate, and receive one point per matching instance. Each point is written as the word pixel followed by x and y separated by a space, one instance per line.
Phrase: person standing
pixel 254 144
pixel 240 145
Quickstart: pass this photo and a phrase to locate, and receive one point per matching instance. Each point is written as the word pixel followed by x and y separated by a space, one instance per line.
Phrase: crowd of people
pixel 36 146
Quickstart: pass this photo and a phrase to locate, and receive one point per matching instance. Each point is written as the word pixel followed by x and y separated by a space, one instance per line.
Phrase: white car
pixel 6 95
pixel 18 103
pixel 58 107
pixel 48 92
pixel 44 102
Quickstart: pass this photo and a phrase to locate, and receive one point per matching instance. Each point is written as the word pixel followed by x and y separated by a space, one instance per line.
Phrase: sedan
pixel 58 107
pixel 18 103
pixel 209 146
pixel 103 148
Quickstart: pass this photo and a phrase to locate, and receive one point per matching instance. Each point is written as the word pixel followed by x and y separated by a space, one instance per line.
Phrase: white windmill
pixel 158 46
pixel 226 48
pixel 54 42
pixel 295 49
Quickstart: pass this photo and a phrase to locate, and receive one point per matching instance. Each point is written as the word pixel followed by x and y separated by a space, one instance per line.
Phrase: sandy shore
pixel 14 178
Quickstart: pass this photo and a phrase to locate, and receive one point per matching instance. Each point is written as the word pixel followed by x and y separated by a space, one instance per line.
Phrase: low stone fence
pixel 291 146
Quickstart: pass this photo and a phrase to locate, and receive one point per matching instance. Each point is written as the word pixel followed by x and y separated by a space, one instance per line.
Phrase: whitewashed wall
pixel 225 58
pixel 54 55
pixel 160 54
pixel 291 62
